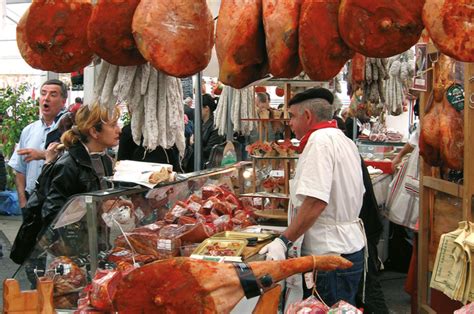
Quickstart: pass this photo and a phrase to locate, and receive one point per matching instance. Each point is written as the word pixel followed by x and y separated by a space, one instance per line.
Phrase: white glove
pixel 275 250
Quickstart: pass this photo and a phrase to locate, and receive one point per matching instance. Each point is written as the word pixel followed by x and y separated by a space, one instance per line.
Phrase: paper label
pixel 455 96
pixel 309 280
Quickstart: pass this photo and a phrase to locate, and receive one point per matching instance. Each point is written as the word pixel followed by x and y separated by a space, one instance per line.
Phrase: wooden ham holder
pixel 29 301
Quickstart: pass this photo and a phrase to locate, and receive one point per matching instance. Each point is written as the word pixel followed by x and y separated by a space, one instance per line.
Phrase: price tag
pixel 309 280
pixel 277 173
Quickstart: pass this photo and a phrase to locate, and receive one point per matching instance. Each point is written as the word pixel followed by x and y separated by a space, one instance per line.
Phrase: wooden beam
pixel 468 140
pixel 444 186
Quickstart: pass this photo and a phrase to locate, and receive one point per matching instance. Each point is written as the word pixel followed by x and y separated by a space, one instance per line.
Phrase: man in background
pixel 28 158
pixel 77 104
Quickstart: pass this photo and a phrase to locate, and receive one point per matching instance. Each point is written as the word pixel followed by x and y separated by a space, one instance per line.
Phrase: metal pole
pixel 92 232
pixel 230 127
pixel 354 129
pixel 197 124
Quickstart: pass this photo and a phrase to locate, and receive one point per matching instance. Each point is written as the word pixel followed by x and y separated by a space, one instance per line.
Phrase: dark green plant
pixel 17 110
pixel 125 117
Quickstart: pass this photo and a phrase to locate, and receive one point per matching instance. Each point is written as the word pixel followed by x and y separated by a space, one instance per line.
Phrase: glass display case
pixel 378 151
pixel 90 225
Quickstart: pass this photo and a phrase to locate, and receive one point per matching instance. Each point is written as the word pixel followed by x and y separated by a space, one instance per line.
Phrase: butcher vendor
pixel 325 199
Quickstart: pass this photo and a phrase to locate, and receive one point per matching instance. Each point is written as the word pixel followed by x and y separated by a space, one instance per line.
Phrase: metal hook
pixel 437 57
pixel 471 101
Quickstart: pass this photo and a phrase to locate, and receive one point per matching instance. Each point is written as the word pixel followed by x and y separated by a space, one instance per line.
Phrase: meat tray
pixel 220 247
pixel 235 235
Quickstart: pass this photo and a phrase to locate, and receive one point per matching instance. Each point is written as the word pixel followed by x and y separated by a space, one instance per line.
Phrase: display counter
pixel 103 229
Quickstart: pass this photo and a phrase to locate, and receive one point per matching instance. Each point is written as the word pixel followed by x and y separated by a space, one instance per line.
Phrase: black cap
pixel 312 93
pixel 209 101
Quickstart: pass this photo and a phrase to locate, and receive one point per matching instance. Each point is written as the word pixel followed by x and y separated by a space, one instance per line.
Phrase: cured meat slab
pixel 30 57
pixel 240 42
pixel 450 24
pixel 55 29
pixel 380 28
pixel 109 32
pixel 280 21
pixel 322 51
pixel 176 37
pixel 184 285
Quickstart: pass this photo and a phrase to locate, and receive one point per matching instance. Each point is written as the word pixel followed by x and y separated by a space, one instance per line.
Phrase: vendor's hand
pixel 395 163
pixel 31 154
pixel 276 250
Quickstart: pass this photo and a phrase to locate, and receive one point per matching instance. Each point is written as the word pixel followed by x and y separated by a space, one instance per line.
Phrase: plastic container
pixel 385 166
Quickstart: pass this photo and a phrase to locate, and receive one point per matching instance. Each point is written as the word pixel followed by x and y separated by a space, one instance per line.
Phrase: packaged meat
pixel 103 288
pixel 343 307
pixel 69 279
pixel 310 305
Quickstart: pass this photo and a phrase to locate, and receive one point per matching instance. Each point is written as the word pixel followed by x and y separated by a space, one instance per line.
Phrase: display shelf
pixel 431 184
pixel 274 157
pixel 272 214
pixel 266 119
pixel 363 142
pixel 266 195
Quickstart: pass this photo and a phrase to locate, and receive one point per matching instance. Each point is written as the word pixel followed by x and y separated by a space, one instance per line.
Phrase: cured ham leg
pixel 55 30
pixel 175 36
pixel 109 32
pixel 322 51
pixel 30 56
pixel 240 42
pixel 280 21
pixel 184 285
pixel 442 135
pixel 450 24
pixel 380 28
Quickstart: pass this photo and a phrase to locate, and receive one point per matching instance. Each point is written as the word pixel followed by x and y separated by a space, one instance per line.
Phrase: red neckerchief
pixel 317 126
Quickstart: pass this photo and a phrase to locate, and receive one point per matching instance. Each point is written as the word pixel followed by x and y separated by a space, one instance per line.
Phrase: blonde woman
pixel 84 165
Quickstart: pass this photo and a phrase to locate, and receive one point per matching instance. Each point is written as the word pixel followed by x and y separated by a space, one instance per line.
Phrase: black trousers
pixel 374 297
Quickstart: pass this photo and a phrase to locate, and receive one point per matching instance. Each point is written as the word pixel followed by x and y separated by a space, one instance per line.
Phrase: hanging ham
pixel 240 42
pixel 322 50
pixel 184 285
pixel 380 28
pixel 280 21
pixel 442 135
pixel 30 57
pixel 450 24
pixel 55 30
pixel 109 32
pixel 176 37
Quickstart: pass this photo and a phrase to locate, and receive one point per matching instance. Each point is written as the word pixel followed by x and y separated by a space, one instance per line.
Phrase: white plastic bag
pixel 403 194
